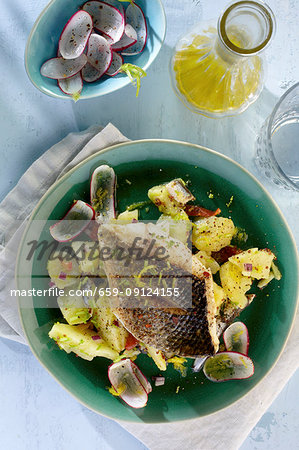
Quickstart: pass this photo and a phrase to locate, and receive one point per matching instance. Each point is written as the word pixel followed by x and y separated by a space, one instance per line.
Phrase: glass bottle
pixel 219 71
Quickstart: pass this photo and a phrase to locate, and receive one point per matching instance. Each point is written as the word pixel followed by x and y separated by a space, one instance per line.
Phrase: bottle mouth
pixel 246 27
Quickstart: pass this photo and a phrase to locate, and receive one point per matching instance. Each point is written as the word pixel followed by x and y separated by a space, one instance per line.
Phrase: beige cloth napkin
pixel 225 429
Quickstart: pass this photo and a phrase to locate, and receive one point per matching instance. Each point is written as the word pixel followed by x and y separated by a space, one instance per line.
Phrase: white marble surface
pixel 35 412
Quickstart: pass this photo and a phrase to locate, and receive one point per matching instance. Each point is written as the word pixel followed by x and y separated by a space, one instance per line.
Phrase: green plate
pixel 269 318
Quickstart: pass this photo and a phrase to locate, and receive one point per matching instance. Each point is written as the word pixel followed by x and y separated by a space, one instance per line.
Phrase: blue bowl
pixel 42 45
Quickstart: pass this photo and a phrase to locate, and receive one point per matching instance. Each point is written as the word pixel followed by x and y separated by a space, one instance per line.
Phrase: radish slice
pixel 73 223
pixel 75 35
pixel 136 18
pixel 106 18
pixel 128 39
pixel 117 5
pixel 99 53
pixel 102 193
pixel 179 192
pixel 71 86
pixel 198 363
pixel 59 68
pixel 90 74
pixel 124 376
pixel 236 338
pixel 117 62
pixel 142 378
pixel 226 366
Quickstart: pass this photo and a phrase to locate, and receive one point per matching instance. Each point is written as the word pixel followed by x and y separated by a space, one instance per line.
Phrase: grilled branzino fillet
pixel 184 326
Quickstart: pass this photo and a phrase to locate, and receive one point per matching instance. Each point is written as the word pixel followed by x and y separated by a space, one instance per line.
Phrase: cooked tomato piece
pixel 226 252
pixel 131 342
pixel 198 211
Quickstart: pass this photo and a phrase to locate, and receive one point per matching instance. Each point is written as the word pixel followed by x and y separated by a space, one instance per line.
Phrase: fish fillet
pixel 187 328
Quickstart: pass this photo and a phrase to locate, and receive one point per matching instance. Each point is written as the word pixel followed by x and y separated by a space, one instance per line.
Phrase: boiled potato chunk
pixel 235 285
pixel 63 272
pixel 178 226
pixel 87 254
pixel 81 340
pixel 207 261
pixel 219 295
pixel 128 216
pixel 109 328
pixel 211 234
pixel 258 260
pixel 157 356
pixel 73 308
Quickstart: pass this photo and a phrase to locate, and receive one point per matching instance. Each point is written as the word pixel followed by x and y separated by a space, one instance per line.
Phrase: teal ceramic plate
pixel 269 318
pixel 43 42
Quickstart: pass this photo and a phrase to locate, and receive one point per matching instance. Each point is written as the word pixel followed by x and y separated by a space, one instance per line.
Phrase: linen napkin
pixel 225 429
pixel 19 203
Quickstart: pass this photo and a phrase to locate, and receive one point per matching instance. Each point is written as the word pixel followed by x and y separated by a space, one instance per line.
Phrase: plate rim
pixel 176 142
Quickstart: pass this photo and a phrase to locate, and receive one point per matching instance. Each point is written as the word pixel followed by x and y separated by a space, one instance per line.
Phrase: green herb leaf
pixel 135 74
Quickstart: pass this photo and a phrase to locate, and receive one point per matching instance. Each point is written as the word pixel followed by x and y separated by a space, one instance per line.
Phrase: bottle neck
pixel 244 29
pixel 225 54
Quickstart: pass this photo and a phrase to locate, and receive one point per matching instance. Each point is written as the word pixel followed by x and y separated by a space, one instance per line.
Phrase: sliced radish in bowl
pixel 117 4
pixel 136 18
pixel 73 85
pixel 73 223
pixel 117 62
pixel 236 338
pixel 99 53
pixel 226 366
pixel 60 68
pixel 90 73
pixel 75 35
pixel 128 39
pixel 125 378
pixel 106 18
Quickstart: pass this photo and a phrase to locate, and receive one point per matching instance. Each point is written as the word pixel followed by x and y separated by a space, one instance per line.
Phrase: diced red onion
pixel 51 284
pixel 95 338
pixel 248 267
pixel 62 276
pixel 159 381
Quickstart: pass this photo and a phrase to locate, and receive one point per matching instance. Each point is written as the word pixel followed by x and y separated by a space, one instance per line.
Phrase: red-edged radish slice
pixel 90 73
pixel 142 378
pixel 128 39
pixel 73 223
pixel 179 191
pixel 124 376
pixel 236 338
pixel 102 193
pixel 59 68
pixel 99 53
pixel 71 86
pixel 226 366
pixel 106 18
pixel 117 5
pixel 198 363
pixel 75 35
pixel 136 18
pixel 117 62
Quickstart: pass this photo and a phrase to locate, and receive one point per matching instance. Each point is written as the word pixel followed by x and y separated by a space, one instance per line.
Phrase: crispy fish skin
pixel 183 333
pixel 189 332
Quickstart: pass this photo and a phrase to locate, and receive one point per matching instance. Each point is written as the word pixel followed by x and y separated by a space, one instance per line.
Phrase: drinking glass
pixel 277 146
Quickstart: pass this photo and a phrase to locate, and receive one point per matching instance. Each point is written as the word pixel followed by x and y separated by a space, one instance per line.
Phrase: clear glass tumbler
pixel 277 145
